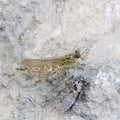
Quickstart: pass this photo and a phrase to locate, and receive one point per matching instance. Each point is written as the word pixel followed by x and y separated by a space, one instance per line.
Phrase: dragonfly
pixel 37 67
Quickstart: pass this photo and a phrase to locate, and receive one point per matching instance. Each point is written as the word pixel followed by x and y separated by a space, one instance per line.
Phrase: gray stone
pixel 52 28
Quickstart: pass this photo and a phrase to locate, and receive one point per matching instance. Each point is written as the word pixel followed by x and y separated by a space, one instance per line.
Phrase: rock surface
pixel 51 28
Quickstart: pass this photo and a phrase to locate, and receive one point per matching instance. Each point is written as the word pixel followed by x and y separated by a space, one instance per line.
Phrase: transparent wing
pixel 41 63
pixel 38 66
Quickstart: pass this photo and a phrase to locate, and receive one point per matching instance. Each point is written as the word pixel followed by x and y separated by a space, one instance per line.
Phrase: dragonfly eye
pixel 77 54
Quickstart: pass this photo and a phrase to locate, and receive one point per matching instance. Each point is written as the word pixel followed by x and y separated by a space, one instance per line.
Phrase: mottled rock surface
pixel 51 28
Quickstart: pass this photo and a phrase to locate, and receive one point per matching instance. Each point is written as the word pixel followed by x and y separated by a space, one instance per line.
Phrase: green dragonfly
pixel 38 67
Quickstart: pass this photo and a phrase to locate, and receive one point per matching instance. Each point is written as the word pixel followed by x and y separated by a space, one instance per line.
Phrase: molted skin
pixel 69 101
pixel 75 92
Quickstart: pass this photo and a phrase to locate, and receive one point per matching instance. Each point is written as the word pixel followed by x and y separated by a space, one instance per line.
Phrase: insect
pixel 38 66
pixel 77 91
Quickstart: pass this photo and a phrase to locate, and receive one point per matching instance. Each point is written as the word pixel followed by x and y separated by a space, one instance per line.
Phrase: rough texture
pixel 51 28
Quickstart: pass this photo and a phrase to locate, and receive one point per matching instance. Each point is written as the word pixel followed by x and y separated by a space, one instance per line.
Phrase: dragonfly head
pixel 77 54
